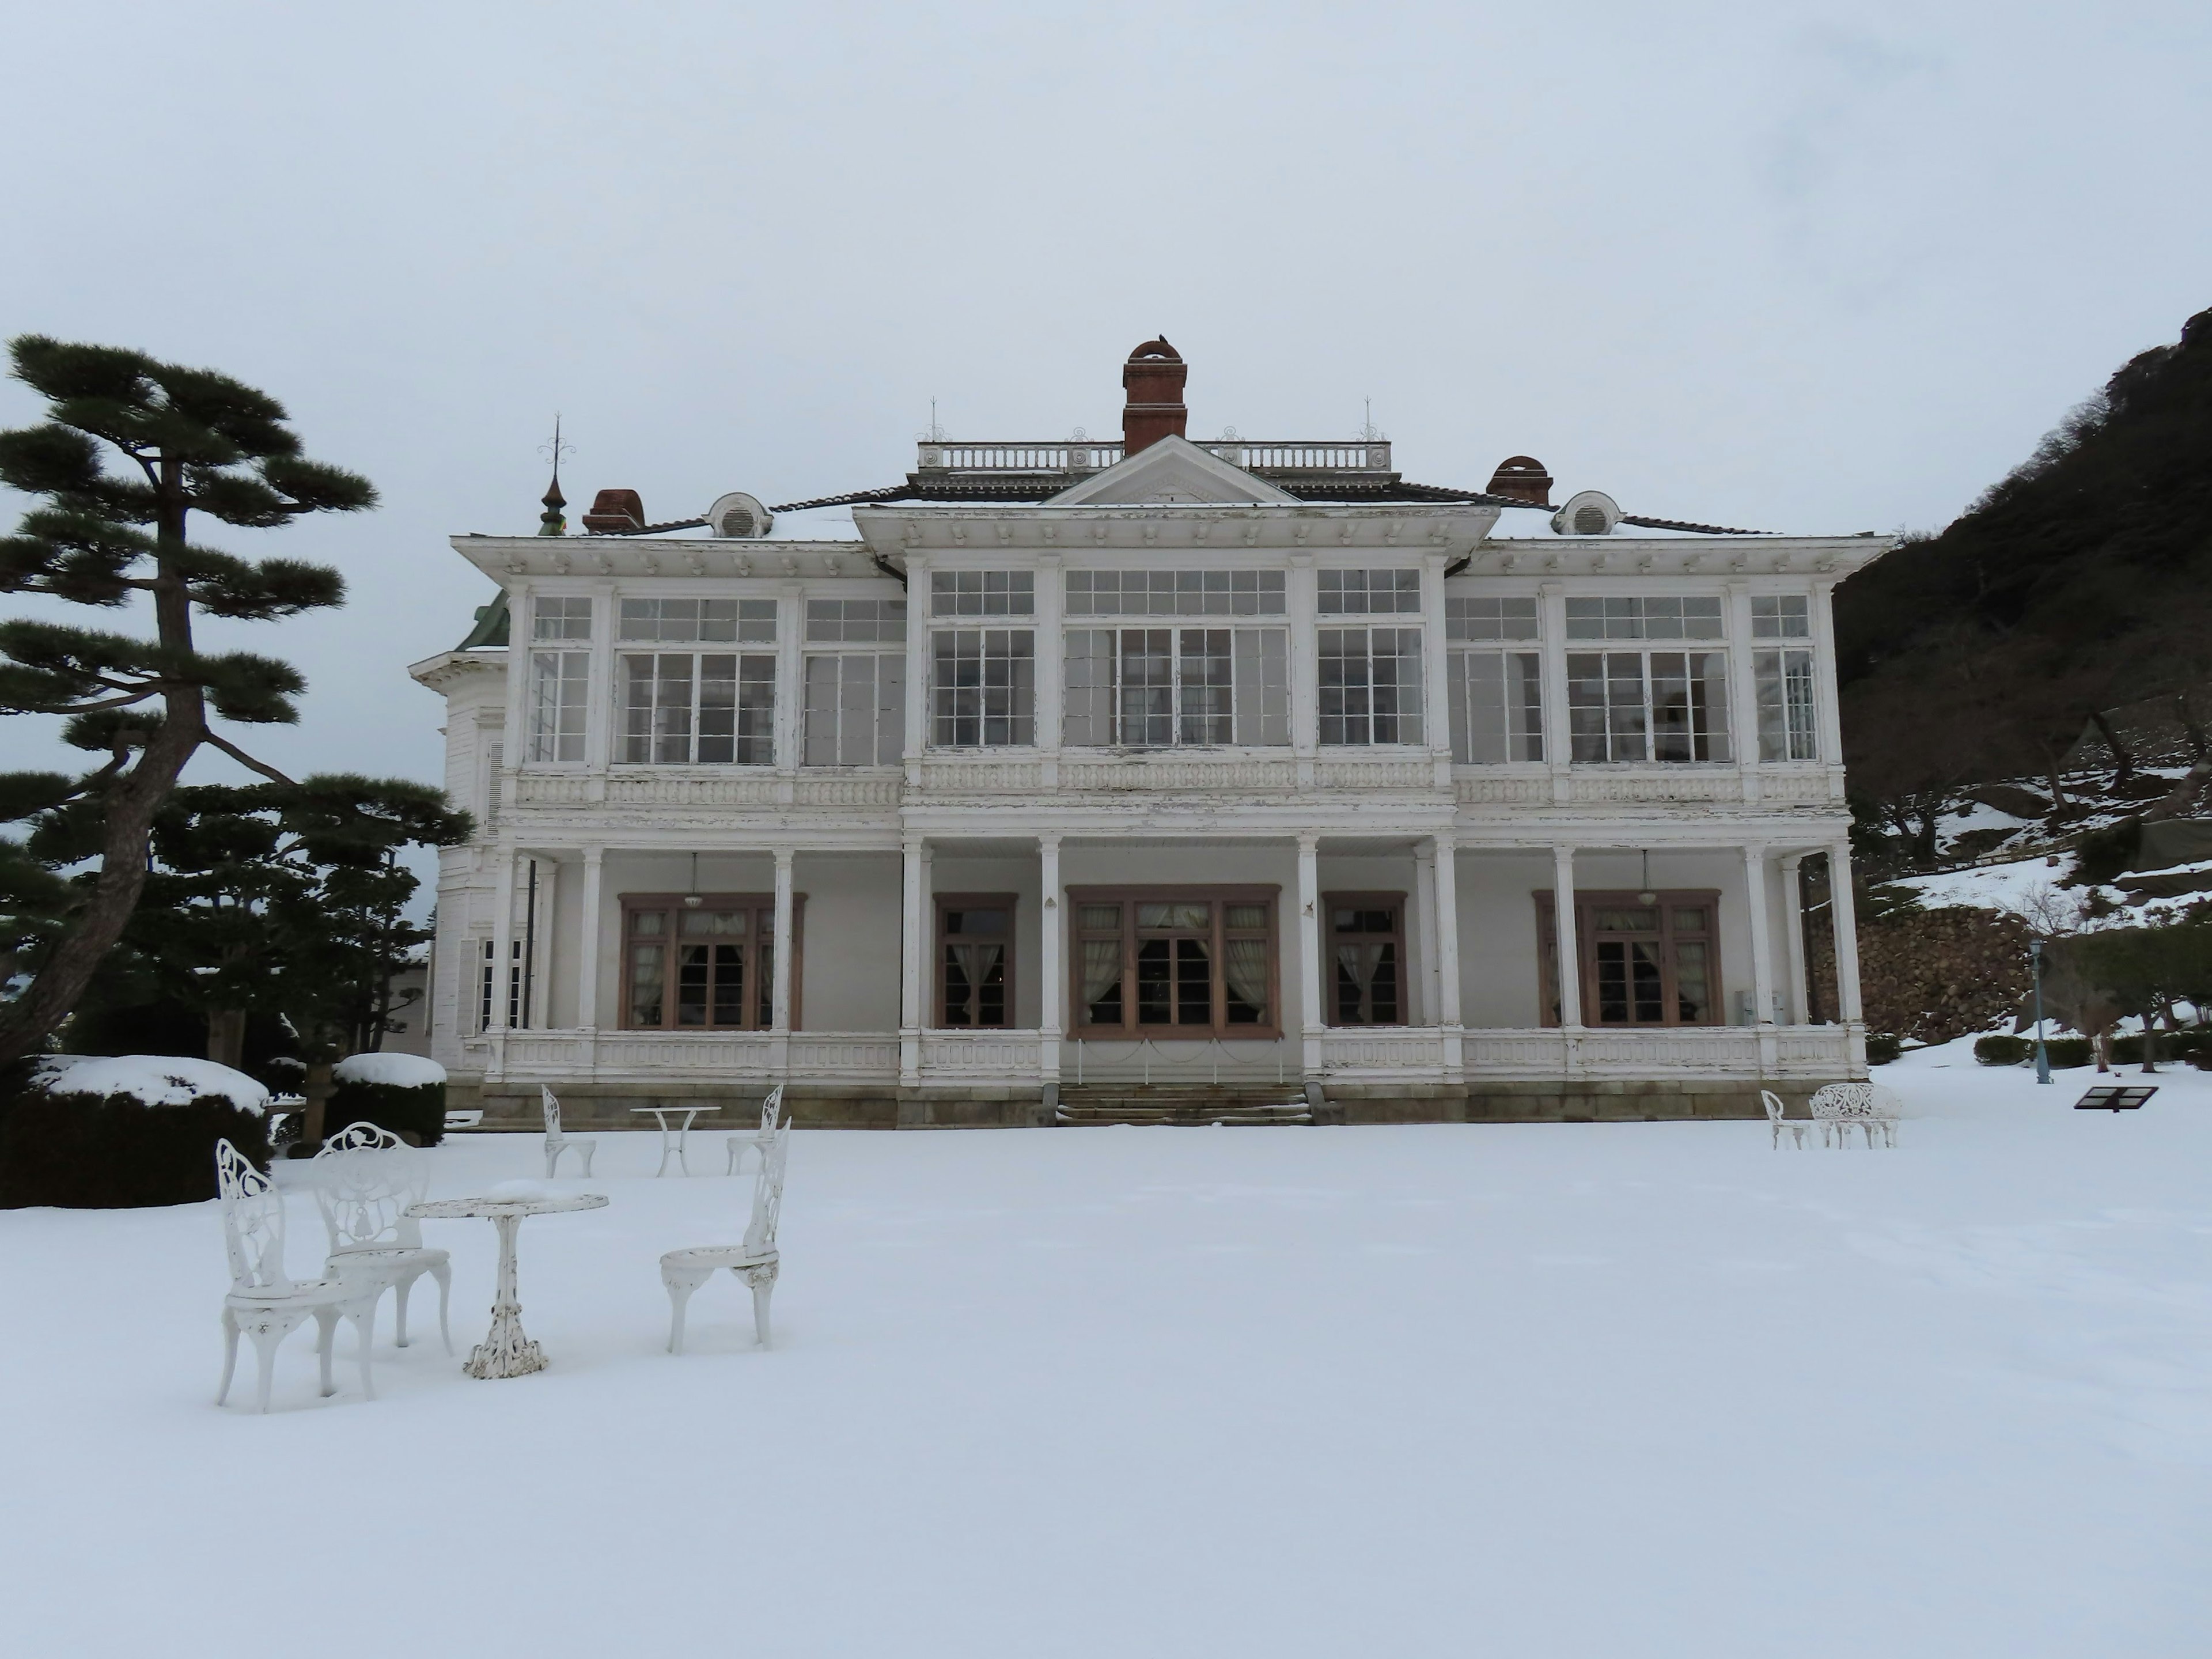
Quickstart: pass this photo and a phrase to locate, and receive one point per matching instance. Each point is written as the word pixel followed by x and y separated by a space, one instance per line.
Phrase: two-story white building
pixel 1070 780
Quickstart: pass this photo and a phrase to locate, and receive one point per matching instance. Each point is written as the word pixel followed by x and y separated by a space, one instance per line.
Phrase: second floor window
pixel 982 687
pixel 558 697
pixel 856 695
pixel 1784 685
pixel 1159 688
pixel 1496 706
pixel 1669 706
pixel 703 707
pixel 1370 685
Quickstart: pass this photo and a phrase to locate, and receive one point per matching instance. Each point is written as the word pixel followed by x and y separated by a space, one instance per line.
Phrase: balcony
pixel 1086 455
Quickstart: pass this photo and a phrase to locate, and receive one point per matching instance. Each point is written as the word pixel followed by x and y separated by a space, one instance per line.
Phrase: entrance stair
pixel 1184 1105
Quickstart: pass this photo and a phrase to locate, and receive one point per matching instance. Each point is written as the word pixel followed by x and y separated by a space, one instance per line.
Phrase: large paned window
pixel 982 593
pixel 1174 594
pixel 1784 683
pixel 856 694
pixel 1189 961
pixel 1692 618
pixel 708 621
pixel 984 688
pixel 1497 696
pixel 1641 964
pixel 1159 688
pixel 704 967
pixel 1368 684
pixel 975 960
pixel 685 708
pixel 1648 706
pixel 560 680
pixel 1368 593
pixel 1366 946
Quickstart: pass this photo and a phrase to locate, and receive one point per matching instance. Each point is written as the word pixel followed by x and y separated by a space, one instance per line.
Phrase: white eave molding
pixel 505 558
pixel 448 669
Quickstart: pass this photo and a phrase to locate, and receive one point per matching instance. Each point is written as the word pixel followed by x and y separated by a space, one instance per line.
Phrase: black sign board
pixel 2114 1098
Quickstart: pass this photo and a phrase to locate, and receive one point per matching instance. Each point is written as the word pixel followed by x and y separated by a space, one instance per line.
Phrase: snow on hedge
pixel 398 1071
pixel 157 1079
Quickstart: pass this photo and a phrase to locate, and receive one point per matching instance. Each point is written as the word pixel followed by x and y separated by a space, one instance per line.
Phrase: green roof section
pixel 491 625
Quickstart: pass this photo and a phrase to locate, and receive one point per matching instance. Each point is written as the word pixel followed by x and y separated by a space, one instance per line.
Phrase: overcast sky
pixel 1795 267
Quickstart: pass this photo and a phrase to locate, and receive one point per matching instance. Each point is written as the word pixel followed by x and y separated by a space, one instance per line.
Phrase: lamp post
pixel 2042 1055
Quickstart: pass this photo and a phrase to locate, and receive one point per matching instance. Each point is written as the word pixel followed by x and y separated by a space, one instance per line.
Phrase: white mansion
pixel 1087 774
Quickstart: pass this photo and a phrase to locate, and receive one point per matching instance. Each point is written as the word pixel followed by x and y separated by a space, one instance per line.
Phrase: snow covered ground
pixel 1618 1389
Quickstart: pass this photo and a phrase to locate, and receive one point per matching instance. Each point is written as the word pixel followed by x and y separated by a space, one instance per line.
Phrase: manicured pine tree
pixel 185 441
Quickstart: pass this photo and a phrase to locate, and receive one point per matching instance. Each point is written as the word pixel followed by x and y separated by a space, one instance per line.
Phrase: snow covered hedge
pixel 124 1132
pixel 404 1093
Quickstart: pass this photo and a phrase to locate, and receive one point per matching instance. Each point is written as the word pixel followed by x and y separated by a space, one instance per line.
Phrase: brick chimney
pixel 615 513
pixel 1153 379
pixel 1522 478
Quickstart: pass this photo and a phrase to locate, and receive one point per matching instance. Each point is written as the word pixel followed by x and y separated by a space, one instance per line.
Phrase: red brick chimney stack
pixel 1153 379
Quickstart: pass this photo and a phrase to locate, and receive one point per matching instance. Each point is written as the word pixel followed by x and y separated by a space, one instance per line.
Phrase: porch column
pixel 1568 945
pixel 537 1015
pixel 588 940
pixel 779 985
pixel 911 959
pixel 1051 648
pixel 1793 935
pixel 502 937
pixel 1846 920
pixel 917 663
pixel 1309 982
pixel 1420 937
pixel 1445 920
pixel 1053 950
pixel 1762 936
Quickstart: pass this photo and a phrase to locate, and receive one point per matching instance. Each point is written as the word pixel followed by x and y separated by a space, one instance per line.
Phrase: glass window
pixel 872 621
pixel 683 709
pixel 1174 594
pixel 983 593
pixel 1781 616
pixel 1632 705
pixel 984 688
pixel 1181 961
pixel 1490 619
pixel 1370 685
pixel 1367 953
pixel 560 619
pixel 707 968
pixel 975 946
pixel 1641 964
pixel 1165 687
pixel 855 709
pixel 1783 681
pixel 705 621
pixel 1496 706
pixel 1369 592
pixel 1690 618
pixel 558 690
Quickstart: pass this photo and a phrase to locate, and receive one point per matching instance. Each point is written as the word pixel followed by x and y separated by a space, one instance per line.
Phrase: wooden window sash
pixel 1220 898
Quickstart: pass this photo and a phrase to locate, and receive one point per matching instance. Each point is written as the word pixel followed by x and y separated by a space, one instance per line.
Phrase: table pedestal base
pixel 505 1351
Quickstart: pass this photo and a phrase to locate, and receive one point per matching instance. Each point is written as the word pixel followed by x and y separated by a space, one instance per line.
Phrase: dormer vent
pixel 738 517
pixel 1588 513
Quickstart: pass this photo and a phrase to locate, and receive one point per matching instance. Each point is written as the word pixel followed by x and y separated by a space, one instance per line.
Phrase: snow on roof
pixel 157 1079
pixel 814 523
pixel 395 1071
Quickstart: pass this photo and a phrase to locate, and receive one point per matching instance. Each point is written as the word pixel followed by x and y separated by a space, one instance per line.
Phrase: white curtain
pixel 1101 966
pixel 1245 966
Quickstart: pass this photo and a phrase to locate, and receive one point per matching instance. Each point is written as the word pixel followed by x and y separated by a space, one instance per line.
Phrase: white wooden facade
pixel 1461 852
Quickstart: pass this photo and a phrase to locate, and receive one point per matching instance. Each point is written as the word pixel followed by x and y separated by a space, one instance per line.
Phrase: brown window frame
pixel 1220 897
pixel 633 903
pixel 1395 903
pixel 1007 902
pixel 1587 902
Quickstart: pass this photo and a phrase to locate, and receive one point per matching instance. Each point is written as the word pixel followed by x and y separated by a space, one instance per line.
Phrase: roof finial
pixel 550 522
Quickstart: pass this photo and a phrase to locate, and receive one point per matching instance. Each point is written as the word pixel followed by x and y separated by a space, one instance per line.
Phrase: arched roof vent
pixel 740 517
pixel 1588 513
pixel 1522 478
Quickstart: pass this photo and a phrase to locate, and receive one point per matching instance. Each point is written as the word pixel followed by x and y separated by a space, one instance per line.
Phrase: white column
pixel 1565 932
pixel 1301 597
pixel 602 713
pixel 1842 913
pixel 1052 949
pixel 587 939
pixel 1051 674
pixel 790 722
pixel 911 960
pixel 516 747
pixel 502 936
pixel 779 987
pixel 1552 607
pixel 1793 935
pixel 1421 931
pixel 1310 1020
pixel 1762 936
pixel 542 958
pixel 917 663
pixel 1825 715
pixel 1435 680
pixel 1446 915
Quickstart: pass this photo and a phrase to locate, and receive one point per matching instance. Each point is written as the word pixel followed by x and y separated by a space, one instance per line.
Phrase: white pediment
pixel 1173 470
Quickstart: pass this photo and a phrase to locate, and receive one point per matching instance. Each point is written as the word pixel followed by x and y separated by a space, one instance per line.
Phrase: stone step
pixel 1187 1106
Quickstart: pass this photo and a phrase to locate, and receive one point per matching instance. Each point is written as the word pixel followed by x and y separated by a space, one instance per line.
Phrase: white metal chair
pixel 757 1140
pixel 755 1261
pixel 262 1303
pixel 556 1143
pixel 365 1178
pixel 1837 1106
pixel 1776 1121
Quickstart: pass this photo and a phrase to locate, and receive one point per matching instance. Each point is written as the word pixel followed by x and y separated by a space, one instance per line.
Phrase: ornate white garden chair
pixel 364 1179
pixel 1837 1106
pixel 1776 1121
pixel 262 1303
pixel 757 1140
pixel 556 1143
pixel 755 1261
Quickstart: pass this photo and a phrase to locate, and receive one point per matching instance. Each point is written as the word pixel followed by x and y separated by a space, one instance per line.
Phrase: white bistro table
pixel 676 1139
pixel 505 1351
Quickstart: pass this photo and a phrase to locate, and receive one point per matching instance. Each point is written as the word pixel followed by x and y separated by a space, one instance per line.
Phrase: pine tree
pixel 190 441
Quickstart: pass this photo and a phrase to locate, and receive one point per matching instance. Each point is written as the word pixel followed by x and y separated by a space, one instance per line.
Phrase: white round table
pixel 505 1351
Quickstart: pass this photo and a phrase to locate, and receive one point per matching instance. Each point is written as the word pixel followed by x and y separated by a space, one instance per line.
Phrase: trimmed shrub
pixel 1997 1050
pixel 404 1093
pixel 1882 1047
pixel 2066 1053
pixel 109 1146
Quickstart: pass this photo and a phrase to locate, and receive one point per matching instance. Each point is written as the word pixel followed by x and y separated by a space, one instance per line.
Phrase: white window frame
pixel 853 695
pixel 1098 710
pixel 1785 683
pixel 751 736
pixel 1496 706
pixel 962 714
pixel 557 712
pixel 1356 722
pixel 1629 718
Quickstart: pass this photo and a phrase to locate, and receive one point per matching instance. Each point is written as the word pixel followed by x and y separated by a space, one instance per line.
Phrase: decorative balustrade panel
pixel 877 791
pixel 1397 1051
pixel 1715 1050
pixel 747 788
pixel 557 788
pixel 1514 1053
pixel 834 1054
pixel 1013 1054
pixel 1806 787
pixel 1481 791
pixel 1094 454
pixel 1375 774
pixel 961 776
pixel 1599 787
pixel 1822 1048
pixel 1179 776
